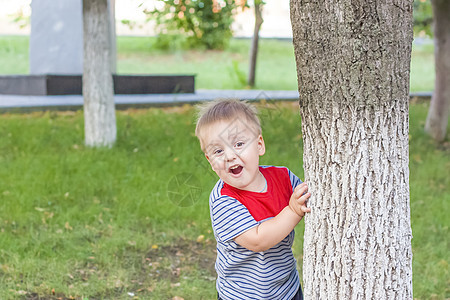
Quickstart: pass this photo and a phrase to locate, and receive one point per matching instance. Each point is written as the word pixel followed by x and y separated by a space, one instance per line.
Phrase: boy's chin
pixel 237 185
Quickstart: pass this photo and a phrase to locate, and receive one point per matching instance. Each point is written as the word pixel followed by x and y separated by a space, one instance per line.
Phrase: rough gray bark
pixel 98 92
pixel 437 119
pixel 353 62
pixel 255 42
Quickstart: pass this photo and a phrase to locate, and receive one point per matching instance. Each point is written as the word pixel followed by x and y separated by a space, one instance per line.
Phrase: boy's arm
pixel 271 232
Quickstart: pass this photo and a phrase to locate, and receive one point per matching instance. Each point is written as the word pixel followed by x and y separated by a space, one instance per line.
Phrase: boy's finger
pixel 302 198
pixel 300 189
pixel 300 186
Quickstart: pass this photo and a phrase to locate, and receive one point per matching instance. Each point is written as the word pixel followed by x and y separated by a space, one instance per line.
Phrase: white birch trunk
pixel 353 62
pixel 98 93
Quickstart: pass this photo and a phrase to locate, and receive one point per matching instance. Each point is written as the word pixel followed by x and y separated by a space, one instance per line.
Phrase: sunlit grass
pixel 227 69
pixel 100 224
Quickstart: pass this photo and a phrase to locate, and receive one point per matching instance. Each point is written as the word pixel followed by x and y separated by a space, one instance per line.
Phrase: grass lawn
pixel 214 69
pixel 80 223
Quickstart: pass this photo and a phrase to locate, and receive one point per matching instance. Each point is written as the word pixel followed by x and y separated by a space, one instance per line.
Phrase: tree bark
pixel 255 42
pixel 98 92
pixel 437 119
pixel 353 63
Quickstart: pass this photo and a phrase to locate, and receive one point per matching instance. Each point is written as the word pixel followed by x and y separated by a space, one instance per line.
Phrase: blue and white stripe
pixel 242 273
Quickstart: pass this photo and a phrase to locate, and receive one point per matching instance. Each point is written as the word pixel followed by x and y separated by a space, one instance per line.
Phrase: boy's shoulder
pixel 276 171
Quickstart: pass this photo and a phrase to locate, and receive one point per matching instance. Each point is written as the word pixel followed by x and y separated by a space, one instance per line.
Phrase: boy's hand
pixel 297 203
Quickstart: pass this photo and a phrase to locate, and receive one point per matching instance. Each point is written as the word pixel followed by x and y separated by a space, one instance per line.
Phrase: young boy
pixel 254 209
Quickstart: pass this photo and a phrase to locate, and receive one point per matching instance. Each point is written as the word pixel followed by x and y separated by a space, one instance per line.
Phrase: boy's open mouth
pixel 236 169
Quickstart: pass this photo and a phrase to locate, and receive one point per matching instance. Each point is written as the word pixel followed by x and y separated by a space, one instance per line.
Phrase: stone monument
pixel 56 57
pixel 56 38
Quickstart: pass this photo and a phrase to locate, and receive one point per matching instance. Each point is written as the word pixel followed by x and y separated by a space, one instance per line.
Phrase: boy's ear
pixel 210 163
pixel 261 146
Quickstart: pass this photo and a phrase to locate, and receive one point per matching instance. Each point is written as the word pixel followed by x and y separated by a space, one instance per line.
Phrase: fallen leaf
pixel 176 272
pixel 177 298
pixel 200 238
pixel 67 226
pixel 155 246
pixel 417 158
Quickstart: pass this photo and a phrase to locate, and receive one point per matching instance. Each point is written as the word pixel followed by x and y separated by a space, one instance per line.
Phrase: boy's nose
pixel 230 154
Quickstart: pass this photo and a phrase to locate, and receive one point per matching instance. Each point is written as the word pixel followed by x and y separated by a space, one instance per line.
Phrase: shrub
pixel 193 23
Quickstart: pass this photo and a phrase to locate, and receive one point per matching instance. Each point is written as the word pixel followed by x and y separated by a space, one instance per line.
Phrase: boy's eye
pixel 217 151
pixel 239 144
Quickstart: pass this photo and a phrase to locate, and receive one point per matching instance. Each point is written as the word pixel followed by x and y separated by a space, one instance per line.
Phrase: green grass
pixel 430 198
pixel 422 68
pixel 14 56
pixel 99 224
pixel 213 69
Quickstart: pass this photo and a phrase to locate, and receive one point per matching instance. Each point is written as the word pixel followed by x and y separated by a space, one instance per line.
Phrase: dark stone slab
pixel 63 84
pixel 23 85
pixel 42 85
pixel 156 84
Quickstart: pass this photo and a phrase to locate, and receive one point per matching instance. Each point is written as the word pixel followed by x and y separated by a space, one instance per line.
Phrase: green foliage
pixel 130 23
pixel 193 23
pixel 423 18
pixel 20 18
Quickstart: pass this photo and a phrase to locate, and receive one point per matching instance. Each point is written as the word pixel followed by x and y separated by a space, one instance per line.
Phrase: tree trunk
pixel 437 119
pixel 353 60
pixel 255 41
pixel 112 34
pixel 98 92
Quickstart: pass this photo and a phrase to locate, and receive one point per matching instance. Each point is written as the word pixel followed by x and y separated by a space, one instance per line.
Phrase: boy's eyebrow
pixel 212 144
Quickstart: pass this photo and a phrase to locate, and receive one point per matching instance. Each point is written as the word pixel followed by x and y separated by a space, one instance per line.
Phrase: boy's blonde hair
pixel 225 110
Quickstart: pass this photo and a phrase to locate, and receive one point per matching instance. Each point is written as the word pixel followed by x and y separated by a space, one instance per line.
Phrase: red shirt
pixel 270 203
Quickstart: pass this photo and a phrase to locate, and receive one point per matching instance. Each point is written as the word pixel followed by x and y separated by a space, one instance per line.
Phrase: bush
pixel 193 23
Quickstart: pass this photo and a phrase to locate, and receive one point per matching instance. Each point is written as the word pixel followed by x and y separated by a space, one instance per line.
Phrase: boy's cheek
pixel 215 164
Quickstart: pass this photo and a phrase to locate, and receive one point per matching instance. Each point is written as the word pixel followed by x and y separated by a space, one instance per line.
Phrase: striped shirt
pixel 242 273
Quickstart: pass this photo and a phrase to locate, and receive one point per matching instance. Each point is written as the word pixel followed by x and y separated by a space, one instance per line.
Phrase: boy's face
pixel 233 149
